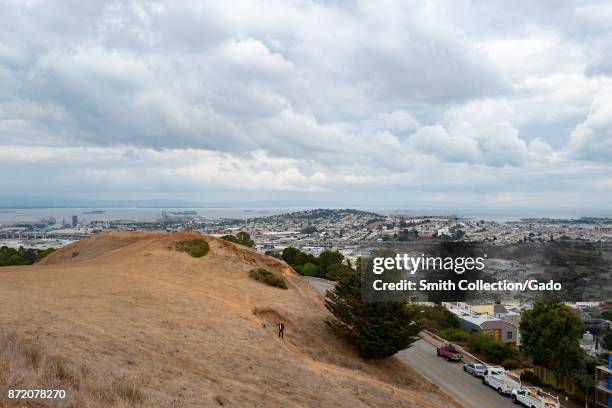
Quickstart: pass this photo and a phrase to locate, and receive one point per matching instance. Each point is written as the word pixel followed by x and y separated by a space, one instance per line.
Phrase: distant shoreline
pixel 10 215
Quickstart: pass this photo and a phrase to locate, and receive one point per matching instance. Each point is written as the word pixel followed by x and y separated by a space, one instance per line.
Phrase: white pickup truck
pixel 532 397
pixel 501 380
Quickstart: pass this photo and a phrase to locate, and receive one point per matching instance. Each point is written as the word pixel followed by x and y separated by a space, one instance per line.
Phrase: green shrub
pixel 454 334
pixel 510 364
pixel 195 247
pixel 493 350
pixel 531 378
pixel 309 269
pixel 267 277
pixel 274 254
pixel 242 238
pixel 44 252
pixel 438 318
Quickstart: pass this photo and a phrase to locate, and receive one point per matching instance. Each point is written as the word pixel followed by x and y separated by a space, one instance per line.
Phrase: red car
pixel 449 352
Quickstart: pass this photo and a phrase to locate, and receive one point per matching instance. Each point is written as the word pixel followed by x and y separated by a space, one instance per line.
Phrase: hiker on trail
pixel 281 329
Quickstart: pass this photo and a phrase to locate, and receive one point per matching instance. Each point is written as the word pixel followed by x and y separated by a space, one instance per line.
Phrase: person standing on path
pixel 281 329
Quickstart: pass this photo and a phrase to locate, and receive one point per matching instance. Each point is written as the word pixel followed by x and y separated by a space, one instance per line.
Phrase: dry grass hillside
pixel 125 319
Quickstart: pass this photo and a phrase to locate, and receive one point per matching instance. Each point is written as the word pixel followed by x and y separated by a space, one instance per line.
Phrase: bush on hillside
pixel 242 238
pixel 309 269
pixel 44 252
pixel 510 364
pixel 493 350
pixel 195 247
pixel 274 254
pixel 438 318
pixel 267 277
pixel 487 346
pixel 455 335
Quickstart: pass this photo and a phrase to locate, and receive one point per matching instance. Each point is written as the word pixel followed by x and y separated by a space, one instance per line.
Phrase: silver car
pixel 477 370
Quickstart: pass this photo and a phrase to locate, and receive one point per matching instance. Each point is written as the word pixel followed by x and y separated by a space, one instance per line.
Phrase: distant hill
pixel 125 319
pixel 320 214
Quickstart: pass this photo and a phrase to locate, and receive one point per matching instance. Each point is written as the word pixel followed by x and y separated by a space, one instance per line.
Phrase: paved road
pixel 467 390
pixel 321 285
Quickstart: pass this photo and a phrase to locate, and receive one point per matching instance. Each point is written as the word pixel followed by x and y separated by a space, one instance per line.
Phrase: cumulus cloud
pixel 454 146
pixel 601 64
pixel 163 74
pixel 592 139
pixel 301 97
pixel 397 121
pixel 479 133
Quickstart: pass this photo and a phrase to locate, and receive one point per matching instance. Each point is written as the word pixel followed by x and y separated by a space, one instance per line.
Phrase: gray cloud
pixel 165 74
pixel 601 64
pixel 592 139
pixel 304 97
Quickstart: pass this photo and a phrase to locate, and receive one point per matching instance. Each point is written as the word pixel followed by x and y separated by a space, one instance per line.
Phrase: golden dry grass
pixel 133 321
pixel 25 364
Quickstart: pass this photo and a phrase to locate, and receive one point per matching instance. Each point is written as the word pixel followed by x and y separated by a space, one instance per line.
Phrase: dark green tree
pixel 328 258
pixel 22 256
pixel 607 314
pixel 336 270
pixel 377 329
pixel 309 230
pixel 295 257
pixel 310 269
pixel 550 334
pixel 359 263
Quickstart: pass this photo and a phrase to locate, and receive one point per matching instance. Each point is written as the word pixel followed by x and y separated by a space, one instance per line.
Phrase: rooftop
pixel 474 318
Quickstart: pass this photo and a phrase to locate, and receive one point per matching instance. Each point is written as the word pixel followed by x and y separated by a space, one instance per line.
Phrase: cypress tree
pixel 378 329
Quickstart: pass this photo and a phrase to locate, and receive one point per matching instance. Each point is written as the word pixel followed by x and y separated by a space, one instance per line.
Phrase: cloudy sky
pixel 485 103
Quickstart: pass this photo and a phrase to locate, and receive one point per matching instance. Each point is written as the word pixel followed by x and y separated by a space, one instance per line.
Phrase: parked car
pixel 534 398
pixel 449 352
pixel 477 370
pixel 501 380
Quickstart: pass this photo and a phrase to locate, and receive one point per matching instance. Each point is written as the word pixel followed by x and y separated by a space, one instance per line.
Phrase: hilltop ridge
pixel 195 331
